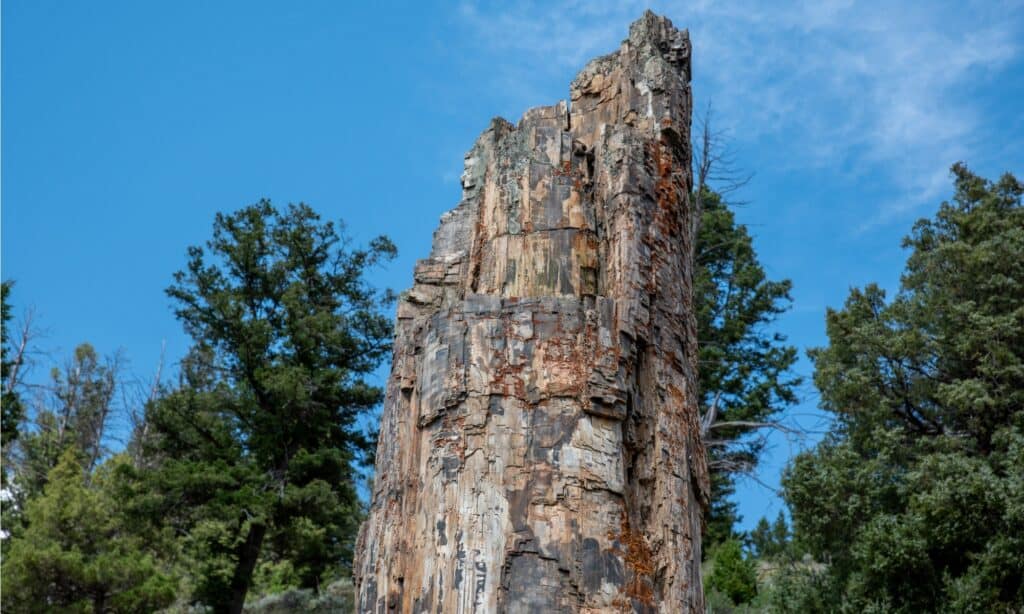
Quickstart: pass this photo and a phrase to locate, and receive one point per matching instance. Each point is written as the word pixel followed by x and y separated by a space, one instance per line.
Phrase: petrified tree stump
pixel 539 448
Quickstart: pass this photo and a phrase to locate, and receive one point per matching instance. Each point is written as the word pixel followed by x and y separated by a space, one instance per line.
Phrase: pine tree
pixel 74 414
pixel 75 555
pixel 733 572
pixel 10 404
pixel 744 368
pixel 769 540
pixel 260 438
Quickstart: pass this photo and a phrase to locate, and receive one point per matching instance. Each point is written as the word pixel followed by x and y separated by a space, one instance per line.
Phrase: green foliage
pixel 11 409
pixel 800 587
pixel 75 555
pixel 914 501
pixel 339 596
pixel 73 415
pixel 251 456
pixel 743 365
pixel 770 540
pixel 733 573
pixel 196 482
pixel 945 356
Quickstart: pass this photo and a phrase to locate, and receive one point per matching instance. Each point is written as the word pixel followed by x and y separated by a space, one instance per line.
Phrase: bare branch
pixel 154 389
pixel 755 425
pixel 711 422
pixel 708 419
pixel 111 379
pixel 714 163
pixel 26 334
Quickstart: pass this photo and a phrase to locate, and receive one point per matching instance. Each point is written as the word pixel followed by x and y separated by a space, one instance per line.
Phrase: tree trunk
pixel 540 444
pixel 248 554
pixel 99 601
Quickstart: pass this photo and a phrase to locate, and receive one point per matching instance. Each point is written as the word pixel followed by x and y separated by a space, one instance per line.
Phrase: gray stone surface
pixel 539 447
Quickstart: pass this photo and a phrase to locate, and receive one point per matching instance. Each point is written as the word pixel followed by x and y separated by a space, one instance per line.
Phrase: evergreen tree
pixel 733 573
pixel 916 500
pixel 744 367
pixel 75 555
pixel 259 439
pixel 12 414
pixel 769 540
pixel 74 414
pixel 10 404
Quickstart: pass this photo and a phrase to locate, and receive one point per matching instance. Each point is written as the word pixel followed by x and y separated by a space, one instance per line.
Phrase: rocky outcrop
pixel 539 447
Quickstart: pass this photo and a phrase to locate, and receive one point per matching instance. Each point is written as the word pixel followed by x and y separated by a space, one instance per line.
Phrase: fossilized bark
pixel 539 448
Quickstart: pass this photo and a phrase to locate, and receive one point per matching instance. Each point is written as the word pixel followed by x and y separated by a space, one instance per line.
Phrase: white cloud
pixel 862 89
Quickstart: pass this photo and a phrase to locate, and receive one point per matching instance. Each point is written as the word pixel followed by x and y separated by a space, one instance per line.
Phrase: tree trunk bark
pixel 248 555
pixel 540 444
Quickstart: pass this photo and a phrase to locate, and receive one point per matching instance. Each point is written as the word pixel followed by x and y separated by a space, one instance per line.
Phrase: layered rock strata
pixel 539 446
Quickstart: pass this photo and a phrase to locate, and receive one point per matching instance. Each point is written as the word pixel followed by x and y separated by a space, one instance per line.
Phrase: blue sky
pixel 126 125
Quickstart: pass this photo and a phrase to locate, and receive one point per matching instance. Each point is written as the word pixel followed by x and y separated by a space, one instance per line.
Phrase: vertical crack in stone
pixel 539 448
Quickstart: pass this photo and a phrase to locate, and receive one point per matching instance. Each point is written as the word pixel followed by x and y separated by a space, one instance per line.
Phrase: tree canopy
pixel 73 414
pixel 75 554
pixel 12 412
pixel 915 501
pixel 744 365
pixel 241 477
pixel 260 436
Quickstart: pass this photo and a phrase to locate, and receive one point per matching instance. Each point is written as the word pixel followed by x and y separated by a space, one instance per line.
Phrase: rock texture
pixel 539 448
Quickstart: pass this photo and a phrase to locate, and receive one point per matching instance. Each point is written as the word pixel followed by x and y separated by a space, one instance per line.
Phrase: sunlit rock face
pixel 539 446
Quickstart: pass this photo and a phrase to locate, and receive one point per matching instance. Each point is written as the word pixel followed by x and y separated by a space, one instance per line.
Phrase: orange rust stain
pixel 668 195
pixel 507 377
pixel 564 171
pixel 639 560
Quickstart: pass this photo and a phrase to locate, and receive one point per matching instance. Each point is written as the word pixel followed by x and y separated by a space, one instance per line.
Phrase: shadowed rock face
pixel 539 446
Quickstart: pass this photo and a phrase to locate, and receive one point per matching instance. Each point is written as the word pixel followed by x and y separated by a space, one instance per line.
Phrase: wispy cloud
pixel 867 90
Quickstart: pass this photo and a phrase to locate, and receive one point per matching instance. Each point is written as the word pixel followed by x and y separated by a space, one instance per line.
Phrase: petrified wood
pixel 539 446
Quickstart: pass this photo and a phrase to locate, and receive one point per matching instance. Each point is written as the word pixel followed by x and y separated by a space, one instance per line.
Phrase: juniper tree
pixel 916 499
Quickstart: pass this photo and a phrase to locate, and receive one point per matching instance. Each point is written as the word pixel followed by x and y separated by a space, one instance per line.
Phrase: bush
pixel 733 573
